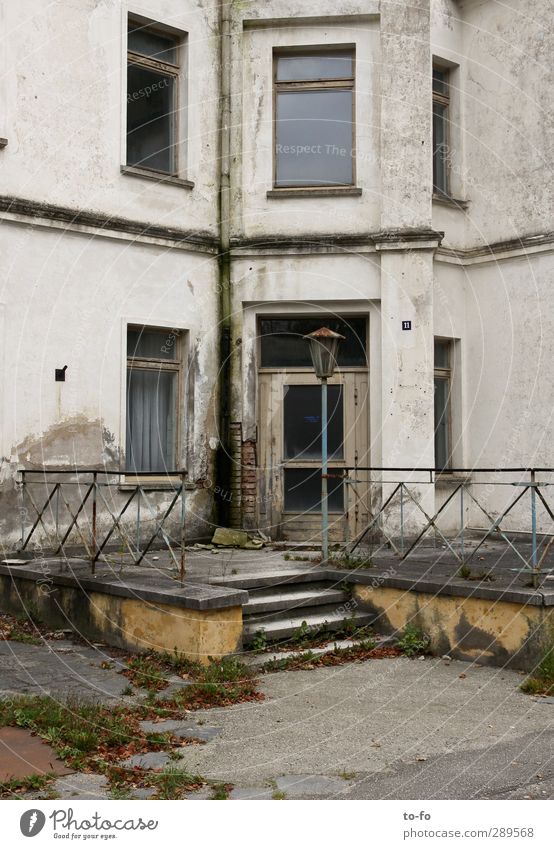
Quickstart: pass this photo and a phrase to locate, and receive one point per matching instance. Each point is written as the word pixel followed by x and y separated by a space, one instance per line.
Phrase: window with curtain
pixel 314 118
pixel 153 369
pixel 443 383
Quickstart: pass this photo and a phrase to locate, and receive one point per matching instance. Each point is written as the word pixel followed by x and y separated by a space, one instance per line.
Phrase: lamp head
pixel 324 346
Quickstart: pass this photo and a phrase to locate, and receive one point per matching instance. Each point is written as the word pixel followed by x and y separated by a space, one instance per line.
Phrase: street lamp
pixel 324 346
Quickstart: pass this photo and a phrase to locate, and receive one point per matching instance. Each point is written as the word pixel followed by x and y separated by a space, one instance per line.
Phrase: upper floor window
pixel 314 117
pixel 153 71
pixel 441 121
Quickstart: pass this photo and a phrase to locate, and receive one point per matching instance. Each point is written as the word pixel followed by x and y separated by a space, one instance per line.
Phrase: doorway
pixel 290 430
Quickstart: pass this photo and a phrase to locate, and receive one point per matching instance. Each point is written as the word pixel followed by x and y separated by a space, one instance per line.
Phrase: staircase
pixel 282 600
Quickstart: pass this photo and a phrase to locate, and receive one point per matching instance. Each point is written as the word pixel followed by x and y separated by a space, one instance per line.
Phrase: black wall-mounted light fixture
pixel 60 374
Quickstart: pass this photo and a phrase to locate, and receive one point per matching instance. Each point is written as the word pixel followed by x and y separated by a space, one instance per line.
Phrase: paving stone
pixel 40 670
pixel 308 786
pixel 249 793
pixel 175 726
pixel 143 793
pixel 82 785
pixel 22 754
pixel 548 699
pixel 147 760
pixel 204 793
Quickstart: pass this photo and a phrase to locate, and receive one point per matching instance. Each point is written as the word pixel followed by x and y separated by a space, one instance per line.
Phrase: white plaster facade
pixel 88 249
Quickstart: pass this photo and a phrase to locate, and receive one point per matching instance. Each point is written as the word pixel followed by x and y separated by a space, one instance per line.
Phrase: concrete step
pixel 261 658
pixel 288 598
pixel 272 578
pixel 281 625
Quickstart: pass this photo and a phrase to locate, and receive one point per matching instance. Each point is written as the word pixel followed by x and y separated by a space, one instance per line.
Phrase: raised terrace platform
pixel 492 615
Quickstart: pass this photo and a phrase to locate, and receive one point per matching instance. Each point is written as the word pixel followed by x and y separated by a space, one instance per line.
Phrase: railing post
pixel 535 577
pixel 462 523
pixel 22 507
pixel 93 552
pixel 138 520
pixel 402 518
pixel 183 478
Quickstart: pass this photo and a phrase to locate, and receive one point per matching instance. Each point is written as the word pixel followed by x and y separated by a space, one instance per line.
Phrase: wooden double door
pixel 289 498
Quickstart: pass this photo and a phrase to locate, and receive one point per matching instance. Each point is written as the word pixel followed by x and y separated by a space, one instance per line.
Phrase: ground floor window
pixel 153 370
pixel 443 392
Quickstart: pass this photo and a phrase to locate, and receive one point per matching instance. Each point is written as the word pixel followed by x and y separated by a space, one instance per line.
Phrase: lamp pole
pixel 324 345
pixel 324 468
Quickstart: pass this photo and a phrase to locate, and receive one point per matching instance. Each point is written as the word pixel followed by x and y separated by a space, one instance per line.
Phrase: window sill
pixel 447 477
pixel 157 176
pixel 446 200
pixel 315 191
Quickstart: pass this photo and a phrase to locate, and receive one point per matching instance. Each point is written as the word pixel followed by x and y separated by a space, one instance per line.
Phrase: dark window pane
pixel 150 420
pixel 150 119
pixel 314 138
pixel 303 491
pixel 442 354
pixel 302 422
pixel 156 344
pixel 283 346
pixel 442 440
pixel 337 65
pixel 440 82
pixel 440 148
pixel 152 44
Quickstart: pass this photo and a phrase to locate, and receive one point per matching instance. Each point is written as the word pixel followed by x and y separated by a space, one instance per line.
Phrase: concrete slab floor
pixel 373 726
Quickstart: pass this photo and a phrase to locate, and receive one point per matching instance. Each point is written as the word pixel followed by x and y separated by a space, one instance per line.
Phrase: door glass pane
pixel 303 491
pixel 314 138
pixel 302 422
pixel 151 398
pixel 442 441
pixel 150 119
pixel 337 65
pixel 283 346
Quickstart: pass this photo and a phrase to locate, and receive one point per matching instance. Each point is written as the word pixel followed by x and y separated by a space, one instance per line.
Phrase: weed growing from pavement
pixel 366 650
pixel 21 786
pixel 94 738
pixel 413 641
pixel 541 682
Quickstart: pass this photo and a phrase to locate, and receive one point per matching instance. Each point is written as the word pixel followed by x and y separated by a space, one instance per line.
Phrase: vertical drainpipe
pixel 224 450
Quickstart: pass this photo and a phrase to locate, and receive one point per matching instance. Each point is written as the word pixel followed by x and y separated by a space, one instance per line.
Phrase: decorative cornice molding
pixel 506 249
pixel 102 224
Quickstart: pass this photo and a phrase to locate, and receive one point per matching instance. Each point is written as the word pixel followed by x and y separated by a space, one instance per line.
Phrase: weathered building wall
pixel 89 248
pixel 107 248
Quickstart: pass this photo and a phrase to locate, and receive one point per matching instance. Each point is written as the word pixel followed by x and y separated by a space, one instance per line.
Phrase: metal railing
pixel 96 506
pixel 514 504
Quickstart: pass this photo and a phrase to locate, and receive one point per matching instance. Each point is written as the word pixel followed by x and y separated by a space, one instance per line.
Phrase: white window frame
pixel 179 177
